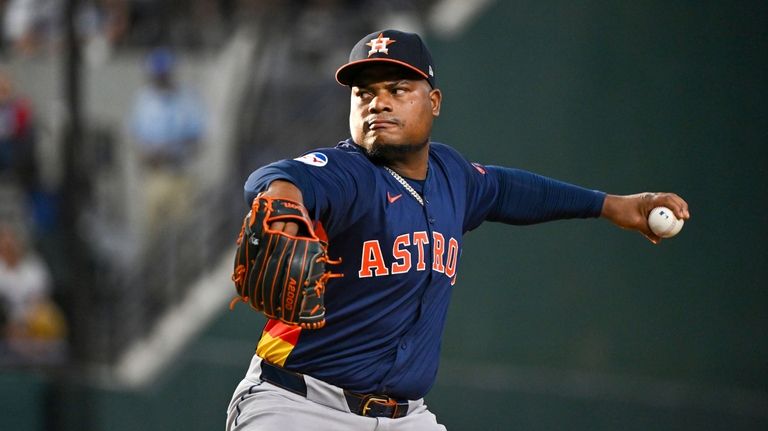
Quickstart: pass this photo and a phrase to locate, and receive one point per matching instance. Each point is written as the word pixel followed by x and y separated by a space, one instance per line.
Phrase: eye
pixel 363 95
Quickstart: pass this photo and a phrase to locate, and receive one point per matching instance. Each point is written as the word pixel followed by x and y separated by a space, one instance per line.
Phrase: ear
pixel 436 98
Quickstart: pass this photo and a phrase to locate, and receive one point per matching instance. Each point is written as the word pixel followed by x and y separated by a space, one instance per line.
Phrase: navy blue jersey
pixel 385 317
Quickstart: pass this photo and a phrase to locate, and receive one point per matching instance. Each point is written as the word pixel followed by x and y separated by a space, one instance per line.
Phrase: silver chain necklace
pixel 405 184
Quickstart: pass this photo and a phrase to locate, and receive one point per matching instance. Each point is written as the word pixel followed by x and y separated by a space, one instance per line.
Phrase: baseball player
pixel 352 251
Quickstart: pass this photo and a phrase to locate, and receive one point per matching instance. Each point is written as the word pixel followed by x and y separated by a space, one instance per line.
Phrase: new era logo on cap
pixel 391 46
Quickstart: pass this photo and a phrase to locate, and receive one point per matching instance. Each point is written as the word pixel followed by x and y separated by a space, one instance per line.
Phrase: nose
pixel 380 103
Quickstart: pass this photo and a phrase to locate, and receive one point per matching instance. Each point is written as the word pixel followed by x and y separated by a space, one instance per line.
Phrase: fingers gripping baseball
pixel 632 211
pixel 280 263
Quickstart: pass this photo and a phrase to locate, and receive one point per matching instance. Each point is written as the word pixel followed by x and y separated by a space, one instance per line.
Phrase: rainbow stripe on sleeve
pixel 277 341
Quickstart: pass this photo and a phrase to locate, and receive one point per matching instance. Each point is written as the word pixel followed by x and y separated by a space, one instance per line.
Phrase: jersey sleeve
pixel 333 184
pixel 519 197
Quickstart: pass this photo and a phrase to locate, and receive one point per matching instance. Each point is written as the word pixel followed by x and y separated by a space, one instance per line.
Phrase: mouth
pixel 381 123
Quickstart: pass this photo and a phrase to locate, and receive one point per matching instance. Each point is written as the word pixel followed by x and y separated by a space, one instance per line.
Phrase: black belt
pixel 370 405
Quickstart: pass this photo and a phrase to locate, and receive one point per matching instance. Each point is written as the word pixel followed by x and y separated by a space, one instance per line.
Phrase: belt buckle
pixel 375 398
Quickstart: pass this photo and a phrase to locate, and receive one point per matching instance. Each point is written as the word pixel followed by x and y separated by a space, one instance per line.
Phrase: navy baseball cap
pixel 389 46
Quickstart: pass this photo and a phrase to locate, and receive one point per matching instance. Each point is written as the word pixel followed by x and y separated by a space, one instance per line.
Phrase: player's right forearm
pixel 284 190
pixel 281 189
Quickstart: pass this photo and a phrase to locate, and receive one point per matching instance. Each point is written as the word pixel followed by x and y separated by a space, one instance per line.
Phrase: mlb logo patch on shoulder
pixel 314 159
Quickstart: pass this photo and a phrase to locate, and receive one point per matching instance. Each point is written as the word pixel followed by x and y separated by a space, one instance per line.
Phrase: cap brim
pixel 347 72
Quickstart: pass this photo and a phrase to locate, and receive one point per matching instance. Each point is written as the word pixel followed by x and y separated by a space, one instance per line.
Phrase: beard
pixel 382 154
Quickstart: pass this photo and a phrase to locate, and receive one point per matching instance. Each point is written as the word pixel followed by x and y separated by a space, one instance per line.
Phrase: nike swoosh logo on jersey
pixel 392 199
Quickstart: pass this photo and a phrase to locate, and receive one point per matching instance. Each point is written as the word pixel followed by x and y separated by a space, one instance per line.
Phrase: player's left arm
pixel 631 211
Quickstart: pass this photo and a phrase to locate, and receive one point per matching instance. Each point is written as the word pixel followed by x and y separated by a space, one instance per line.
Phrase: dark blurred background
pixel 128 127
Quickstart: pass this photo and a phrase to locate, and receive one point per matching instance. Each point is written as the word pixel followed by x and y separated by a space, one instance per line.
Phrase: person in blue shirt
pixel 393 206
pixel 167 127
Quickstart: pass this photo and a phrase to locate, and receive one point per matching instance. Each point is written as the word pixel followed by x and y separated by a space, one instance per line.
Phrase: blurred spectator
pixel 34 26
pixel 17 145
pixel 167 125
pixel 19 167
pixel 30 24
pixel 101 25
pixel 33 326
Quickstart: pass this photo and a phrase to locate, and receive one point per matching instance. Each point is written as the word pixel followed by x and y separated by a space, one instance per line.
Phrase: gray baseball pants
pixel 261 406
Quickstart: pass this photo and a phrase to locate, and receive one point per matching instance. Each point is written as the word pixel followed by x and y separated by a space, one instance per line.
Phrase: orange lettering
pixel 438 249
pixel 445 255
pixel 419 239
pixel 453 257
pixel 372 260
pixel 290 297
pixel 401 254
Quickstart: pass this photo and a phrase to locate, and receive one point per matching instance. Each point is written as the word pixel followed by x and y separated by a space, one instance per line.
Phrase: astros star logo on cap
pixel 379 44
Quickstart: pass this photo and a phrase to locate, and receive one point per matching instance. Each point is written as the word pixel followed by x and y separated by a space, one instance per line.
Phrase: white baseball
pixel 663 222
